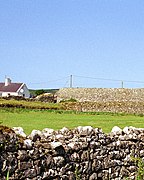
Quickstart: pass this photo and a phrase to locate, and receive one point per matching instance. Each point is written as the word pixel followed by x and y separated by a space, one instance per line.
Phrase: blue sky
pixel 43 42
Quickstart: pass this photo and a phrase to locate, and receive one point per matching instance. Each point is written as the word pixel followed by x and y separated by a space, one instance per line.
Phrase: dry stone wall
pixel 84 153
pixel 113 107
pixel 101 94
pixel 103 99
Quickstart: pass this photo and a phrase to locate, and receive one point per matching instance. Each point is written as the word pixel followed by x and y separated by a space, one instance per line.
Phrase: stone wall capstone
pixel 82 153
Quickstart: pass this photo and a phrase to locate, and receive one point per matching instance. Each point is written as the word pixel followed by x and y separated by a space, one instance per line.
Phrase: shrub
pixel 140 163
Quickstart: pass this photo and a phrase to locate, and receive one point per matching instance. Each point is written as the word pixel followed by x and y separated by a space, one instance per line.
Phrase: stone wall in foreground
pixel 84 153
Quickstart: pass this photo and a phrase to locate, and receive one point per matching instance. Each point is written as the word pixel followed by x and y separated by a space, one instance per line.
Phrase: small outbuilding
pixel 8 88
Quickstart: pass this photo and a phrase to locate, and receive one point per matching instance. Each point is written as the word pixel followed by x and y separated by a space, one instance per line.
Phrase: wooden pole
pixel 71 81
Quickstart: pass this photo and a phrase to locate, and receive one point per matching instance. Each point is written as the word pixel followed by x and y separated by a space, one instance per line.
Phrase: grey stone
pixel 94 154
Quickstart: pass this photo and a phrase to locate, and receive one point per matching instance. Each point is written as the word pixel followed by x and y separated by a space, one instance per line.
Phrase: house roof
pixel 12 87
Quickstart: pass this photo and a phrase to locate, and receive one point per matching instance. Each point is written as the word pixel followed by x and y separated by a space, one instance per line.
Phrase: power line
pixel 66 83
pixel 51 80
pixel 118 80
pixel 70 81
pixel 98 78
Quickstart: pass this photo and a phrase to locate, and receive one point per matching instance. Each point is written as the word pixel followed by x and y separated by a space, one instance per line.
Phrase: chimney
pixel 7 81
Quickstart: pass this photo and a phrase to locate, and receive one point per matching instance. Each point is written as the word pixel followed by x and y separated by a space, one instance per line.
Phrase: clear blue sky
pixel 42 42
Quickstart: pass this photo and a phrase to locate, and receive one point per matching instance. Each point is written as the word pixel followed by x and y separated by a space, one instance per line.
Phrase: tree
pixel 39 91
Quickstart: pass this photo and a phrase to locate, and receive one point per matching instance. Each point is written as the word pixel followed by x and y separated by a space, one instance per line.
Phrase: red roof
pixel 12 87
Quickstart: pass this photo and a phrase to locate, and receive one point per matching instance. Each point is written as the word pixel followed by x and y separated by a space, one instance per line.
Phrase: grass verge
pixel 57 119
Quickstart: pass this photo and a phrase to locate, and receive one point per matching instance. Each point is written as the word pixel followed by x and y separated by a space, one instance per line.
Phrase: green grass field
pixel 34 119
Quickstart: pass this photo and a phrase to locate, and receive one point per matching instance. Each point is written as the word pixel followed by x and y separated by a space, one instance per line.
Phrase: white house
pixel 13 89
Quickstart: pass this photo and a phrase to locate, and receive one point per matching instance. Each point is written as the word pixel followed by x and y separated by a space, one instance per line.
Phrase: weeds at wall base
pixel 140 163
pixel 77 174
pixel 7 178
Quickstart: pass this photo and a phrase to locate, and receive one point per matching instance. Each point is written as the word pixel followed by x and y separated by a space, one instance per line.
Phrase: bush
pixel 38 92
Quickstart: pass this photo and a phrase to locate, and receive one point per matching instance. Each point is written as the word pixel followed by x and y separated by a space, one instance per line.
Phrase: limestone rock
pixel 116 130
pixel 19 131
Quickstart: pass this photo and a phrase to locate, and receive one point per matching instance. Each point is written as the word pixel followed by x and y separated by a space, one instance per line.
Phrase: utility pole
pixel 71 81
pixel 122 84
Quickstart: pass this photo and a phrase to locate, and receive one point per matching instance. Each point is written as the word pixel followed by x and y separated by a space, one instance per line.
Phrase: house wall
pixel 6 94
pixel 24 92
